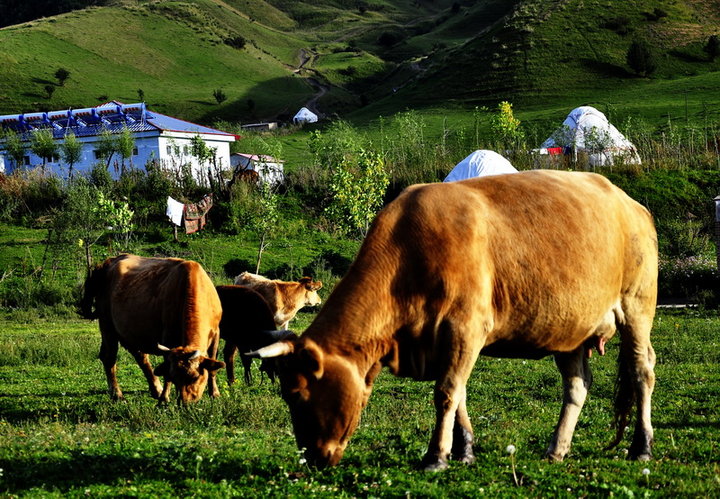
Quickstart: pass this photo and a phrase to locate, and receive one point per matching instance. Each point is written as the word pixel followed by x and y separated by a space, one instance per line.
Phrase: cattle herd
pixel 523 266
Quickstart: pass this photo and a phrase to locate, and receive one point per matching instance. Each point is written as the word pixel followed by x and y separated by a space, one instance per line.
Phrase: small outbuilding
pixel 480 163
pixel 269 169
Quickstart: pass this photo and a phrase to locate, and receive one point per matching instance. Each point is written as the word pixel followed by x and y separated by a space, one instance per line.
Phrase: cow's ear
pixel 315 285
pixel 311 360
pixel 211 364
pixel 161 369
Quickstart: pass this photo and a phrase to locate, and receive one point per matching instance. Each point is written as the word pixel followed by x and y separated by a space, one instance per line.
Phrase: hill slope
pixel 269 57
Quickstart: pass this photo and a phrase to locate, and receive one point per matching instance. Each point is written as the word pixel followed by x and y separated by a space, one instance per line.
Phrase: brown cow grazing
pixel 146 303
pixel 246 324
pixel 285 298
pixel 533 264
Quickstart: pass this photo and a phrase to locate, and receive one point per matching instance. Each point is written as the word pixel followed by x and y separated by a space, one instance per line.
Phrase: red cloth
pixel 554 150
pixel 194 215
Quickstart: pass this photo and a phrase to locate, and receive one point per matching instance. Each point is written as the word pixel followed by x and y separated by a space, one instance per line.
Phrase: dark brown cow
pixel 285 298
pixel 161 306
pixel 246 323
pixel 525 265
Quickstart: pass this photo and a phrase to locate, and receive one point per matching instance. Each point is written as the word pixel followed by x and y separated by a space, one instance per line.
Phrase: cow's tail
pixel 624 392
pixel 92 285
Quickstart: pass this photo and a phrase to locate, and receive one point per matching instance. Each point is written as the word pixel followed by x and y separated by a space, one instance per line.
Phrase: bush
pixel 641 58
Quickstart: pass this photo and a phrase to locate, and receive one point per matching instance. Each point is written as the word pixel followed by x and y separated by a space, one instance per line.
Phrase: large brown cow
pixel 285 298
pixel 526 265
pixel 246 324
pixel 161 306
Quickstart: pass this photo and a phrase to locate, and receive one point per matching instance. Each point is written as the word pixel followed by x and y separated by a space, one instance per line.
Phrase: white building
pixel 269 169
pixel 157 137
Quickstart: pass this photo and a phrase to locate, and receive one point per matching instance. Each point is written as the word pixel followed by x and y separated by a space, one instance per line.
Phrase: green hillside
pixel 366 58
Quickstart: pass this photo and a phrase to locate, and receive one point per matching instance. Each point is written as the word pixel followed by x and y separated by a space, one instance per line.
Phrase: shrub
pixel 641 58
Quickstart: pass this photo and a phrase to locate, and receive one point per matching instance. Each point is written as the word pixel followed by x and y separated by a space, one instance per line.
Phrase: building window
pixel 169 150
pixel 97 154
pixel 26 161
pixel 135 151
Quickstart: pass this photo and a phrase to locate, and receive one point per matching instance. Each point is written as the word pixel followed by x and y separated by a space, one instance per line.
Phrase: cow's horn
pixel 277 349
pixel 162 348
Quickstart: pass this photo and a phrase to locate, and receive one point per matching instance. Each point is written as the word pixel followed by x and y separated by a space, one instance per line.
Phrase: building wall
pixel 172 149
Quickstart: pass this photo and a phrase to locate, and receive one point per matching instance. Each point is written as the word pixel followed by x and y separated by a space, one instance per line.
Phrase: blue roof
pixel 111 116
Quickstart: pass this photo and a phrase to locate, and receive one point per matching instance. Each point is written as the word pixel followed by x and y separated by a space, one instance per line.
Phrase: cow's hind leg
pixel 635 383
pixel 577 379
pixel 213 348
pixel 153 382
pixel 108 356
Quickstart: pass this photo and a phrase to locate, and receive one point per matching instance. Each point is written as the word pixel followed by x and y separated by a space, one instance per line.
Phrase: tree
pixel 71 150
pixel 61 75
pixel 505 126
pixel 106 147
pixel 219 95
pixel 712 47
pixel 43 145
pixel 641 58
pixel 357 187
pixel 15 148
pixel 125 144
pixel 141 94
pixel 49 90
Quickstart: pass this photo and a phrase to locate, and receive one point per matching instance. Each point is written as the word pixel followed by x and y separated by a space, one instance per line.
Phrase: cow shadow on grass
pixel 165 462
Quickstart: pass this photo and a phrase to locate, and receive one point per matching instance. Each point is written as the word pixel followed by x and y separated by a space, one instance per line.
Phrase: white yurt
pixel 305 116
pixel 588 131
pixel 480 164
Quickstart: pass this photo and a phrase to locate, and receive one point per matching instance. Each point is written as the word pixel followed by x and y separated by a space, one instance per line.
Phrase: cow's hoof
pixel 554 458
pixel 645 456
pixel 433 465
pixel 466 459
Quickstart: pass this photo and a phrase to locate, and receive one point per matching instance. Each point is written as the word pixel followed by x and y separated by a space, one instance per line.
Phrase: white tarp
pixel 480 164
pixel 588 130
pixel 305 116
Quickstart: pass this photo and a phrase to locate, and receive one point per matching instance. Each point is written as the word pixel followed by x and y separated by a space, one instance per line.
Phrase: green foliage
pixel 61 75
pixel 506 127
pixel 43 144
pixel 200 149
pixel 219 95
pixel 71 150
pixel 125 143
pixel 357 186
pixel 641 59
pixel 106 146
pixel 712 47
pixel 14 147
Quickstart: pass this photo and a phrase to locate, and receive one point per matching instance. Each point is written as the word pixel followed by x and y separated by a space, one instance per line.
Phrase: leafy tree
pixel 42 144
pixel 71 150
pixel 61 75
pixel 141 94
pixel 88 214
pixel 106 146
pixel 712 47
pixel 505 126
pixel 125 145
pixel 357 185
pixel 266 219
pixel 49 90
pixel 15 148
pixel 641 58
pixel 219 95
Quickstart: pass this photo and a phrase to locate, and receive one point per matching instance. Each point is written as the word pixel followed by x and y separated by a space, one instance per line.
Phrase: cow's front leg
pixel 229 352
pixel 577 379
pixel 108 356
pixel 447 399
pixel 153 382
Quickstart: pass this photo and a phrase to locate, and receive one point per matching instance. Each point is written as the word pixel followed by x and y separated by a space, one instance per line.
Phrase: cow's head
pixel 325 393
pixel 188 370
pixel 311 291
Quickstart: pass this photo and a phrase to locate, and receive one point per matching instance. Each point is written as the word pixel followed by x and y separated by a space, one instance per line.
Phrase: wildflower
pixel 510 449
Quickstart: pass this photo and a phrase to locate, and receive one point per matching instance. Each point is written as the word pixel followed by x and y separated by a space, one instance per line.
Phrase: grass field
pixel 62 437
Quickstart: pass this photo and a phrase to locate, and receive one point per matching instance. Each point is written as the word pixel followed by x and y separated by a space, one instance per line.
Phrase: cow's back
pixel 534 260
